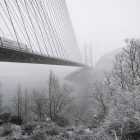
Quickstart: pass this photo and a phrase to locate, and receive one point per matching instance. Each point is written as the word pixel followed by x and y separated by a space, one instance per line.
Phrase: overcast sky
pixel 105 23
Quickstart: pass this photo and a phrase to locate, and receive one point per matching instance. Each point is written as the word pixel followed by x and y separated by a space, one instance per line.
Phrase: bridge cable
pixel 38 25
pixel 47 26
pixel 32 30
pixel 39 36
pixel 53 41
pixel 71 43
pixel 65 32
pixel 31 20
pixel 43 27
pixel 24 26
pixel 38 33
pixel 80 59
pixel 12 23
pixel 16 20
pixel 7 26
pixel 66 28
pixel 55 29
pixel 75 50
pixel 43 36
pixel 39 11
pixel 69 29
pixel 47 35
pixel 58 21
pixel 2 32
pixel 50 44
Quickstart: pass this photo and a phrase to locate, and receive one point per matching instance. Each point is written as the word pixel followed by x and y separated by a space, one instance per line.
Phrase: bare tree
pixel 26 103
pixel 132 60
pixel 125 76
pixel 38 101
pixel 18 98
pixel 63 98
pixel 118 75
pixel 99 95
pixel 58 97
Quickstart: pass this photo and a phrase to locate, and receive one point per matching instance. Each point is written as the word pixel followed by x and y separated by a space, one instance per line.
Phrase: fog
pixel 30 76
pixel 104 23
pixel 100 101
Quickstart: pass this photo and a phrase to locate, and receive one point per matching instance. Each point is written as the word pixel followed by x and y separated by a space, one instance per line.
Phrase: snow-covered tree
pixel 38 101
pixel 58 96
pixel 18 101
pixel 26 104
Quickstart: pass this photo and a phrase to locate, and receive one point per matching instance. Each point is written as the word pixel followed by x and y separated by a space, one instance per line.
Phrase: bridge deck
pixel 11 55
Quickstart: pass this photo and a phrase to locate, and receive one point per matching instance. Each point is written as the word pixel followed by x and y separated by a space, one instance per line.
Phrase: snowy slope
pixel 105 63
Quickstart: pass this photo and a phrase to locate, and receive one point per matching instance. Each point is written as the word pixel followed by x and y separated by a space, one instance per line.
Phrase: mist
pixel 70 69
pixel 30 76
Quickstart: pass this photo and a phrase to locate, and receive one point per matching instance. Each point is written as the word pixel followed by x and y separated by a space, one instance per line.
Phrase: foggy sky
pixel 105 23
pixel 30 76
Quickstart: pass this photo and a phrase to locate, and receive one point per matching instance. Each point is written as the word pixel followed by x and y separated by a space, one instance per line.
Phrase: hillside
pixel 105 63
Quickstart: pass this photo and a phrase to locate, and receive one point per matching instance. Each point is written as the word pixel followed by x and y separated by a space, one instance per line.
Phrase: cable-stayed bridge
pixel 38 31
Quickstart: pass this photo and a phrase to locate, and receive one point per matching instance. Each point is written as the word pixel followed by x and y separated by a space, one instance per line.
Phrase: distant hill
pixel 80 76
pixel 105 63
pixel 84 76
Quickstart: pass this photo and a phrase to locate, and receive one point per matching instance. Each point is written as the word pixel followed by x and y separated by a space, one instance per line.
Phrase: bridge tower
pixel 88 55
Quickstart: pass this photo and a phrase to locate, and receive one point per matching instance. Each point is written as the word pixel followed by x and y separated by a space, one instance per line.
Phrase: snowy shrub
pixel 5 117
pixel 64 135
pixel 81 137
pixel 16 120
pixel 21 138
pixel 52 130
pixel 6 129
pixel 80 131
pixel 122 122
pixel 70 128
pixel 90 121
pixel 61 121
pixel 28 128
pixel 38 135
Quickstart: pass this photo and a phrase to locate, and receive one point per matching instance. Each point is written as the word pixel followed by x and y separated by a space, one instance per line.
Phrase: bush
pixel 19 138
pixel 6 129
pixel 123 122
pixel 38 135
pixel 28 128
pixel 81 137
pixel 52 130
pixel 65 135
pixel 61 121
pixel 5 117
pixel 16 120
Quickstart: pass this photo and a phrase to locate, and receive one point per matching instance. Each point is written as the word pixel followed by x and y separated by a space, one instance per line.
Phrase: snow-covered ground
pixel 43 131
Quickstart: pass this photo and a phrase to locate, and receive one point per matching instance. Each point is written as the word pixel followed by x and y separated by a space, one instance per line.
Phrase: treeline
pixel 116 96
pixel 54 102
pixel 114 104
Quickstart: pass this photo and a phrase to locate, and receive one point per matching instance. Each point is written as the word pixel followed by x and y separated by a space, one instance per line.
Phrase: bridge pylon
pixel 88 55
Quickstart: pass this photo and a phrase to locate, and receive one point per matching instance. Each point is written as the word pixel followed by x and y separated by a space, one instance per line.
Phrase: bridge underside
pixel 8 55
